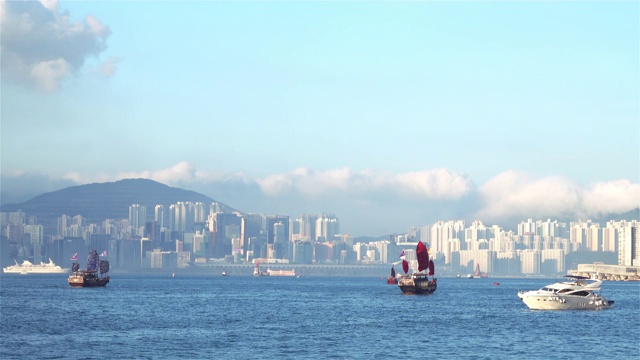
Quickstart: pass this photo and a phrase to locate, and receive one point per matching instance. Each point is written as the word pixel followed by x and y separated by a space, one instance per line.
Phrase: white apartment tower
pixel 159 216
pixel 327 227
pixel 629 244
pixel 443 231
pixel 137 216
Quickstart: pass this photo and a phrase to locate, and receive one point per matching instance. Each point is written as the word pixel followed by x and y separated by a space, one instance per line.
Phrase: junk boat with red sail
pixel 93 275
pixel 419 282
pixel 392 280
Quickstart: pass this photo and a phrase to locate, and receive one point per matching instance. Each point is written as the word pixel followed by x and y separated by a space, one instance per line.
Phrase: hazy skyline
pixel 387 114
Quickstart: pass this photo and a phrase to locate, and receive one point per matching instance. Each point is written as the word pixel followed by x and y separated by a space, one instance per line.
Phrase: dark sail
pixel 393 272
pixel 75 266
pixel 431 268
pixel 405 266
pixel 92 260
pixel 423 256
pixel 104 266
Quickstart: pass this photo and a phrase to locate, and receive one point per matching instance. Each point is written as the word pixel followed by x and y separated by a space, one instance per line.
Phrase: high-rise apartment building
pixel 327 227
pixel 629 244
pixel 137 216
pixel 159 216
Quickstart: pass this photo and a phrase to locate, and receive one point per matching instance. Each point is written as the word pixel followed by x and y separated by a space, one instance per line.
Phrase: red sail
pixel 431 268
pixel 423 256
pixel 405 266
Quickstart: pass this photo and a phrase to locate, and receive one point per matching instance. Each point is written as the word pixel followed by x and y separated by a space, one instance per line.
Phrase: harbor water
pixel 245 317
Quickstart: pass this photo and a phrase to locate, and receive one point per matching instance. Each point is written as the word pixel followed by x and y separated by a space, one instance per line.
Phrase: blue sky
pixel 388 114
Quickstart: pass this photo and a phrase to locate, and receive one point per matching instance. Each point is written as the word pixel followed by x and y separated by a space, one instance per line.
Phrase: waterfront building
pixel 610 236
pixel 529 262
pixel 302 252
pixel 449 247
pixel 552 261
pixel 507 262
pixel 629 246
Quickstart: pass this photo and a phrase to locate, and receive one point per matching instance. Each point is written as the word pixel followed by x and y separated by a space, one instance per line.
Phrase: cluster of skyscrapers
pixel 191 234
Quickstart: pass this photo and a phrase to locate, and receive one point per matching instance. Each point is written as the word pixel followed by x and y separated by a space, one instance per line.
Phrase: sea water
pixel 245 317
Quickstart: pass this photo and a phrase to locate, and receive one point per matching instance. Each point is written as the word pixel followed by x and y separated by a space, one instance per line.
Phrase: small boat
pixel 224 273
pixel 581 293
pixel 392 280
pixel 93 275
pixel 258 272
pixel 419 282
pixel 495 283
pixel 478 273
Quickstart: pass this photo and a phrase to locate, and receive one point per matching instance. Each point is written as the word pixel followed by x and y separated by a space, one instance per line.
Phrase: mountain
pixel 99 201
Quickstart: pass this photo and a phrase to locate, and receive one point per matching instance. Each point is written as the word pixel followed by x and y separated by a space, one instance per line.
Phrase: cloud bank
pixel 375 203
pixel 41 46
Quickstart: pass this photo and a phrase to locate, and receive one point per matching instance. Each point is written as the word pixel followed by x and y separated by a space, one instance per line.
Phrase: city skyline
pixel 389 114
pixel 534 247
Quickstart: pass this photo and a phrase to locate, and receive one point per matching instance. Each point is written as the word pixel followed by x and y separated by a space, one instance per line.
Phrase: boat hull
pixel 35 271
pixel 536 301
pixel 417 285
pixel 79 280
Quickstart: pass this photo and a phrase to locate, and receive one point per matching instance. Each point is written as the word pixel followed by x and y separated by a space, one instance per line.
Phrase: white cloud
pixel 395 201
pixel 108 67
pixel 611 197
pixel 514 194
pixel 41 46
pixel 433 184
pixel 47 74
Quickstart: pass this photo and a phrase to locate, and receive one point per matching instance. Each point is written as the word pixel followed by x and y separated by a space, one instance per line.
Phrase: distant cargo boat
pixel 28 268
pixel 291 272
pixel 93 275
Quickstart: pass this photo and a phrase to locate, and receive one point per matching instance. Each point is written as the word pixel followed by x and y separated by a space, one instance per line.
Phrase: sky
pixel 387 114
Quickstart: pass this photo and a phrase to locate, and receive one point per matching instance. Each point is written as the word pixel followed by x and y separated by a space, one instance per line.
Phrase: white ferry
pixel 28 268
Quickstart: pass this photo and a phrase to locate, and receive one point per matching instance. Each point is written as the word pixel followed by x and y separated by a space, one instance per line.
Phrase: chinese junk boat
pixel 418 282
pixel 94 275
pixel 392 280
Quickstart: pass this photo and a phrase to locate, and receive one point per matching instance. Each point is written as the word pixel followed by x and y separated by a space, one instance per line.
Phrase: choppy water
pixel 160 317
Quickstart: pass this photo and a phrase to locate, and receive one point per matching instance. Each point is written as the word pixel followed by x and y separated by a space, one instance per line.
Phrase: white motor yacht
pixel 581 293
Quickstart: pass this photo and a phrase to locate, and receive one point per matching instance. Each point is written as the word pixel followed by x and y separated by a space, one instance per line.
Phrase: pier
pixel 607 272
